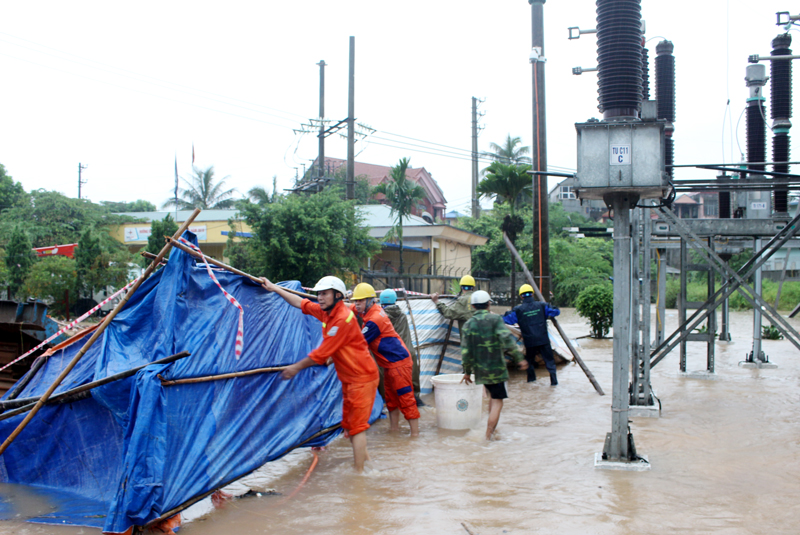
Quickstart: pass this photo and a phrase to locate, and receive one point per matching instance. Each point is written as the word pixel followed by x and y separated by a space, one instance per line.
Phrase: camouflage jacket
pixel 459 310
pixel 483 341
pixel 400 324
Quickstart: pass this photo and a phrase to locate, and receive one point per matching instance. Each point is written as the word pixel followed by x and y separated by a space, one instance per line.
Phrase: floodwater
pixel 724 457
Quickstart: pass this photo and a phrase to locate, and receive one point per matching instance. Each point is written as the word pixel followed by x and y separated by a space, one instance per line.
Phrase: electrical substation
pixel 626 159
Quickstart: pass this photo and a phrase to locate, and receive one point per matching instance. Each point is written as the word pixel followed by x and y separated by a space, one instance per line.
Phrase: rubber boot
pixel 553 379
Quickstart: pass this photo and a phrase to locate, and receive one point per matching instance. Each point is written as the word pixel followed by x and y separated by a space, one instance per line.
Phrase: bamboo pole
pixel 444 347
pixel 95 336
pixel 171 382
pixel 539 295
pixel 413 324
pixel 75 394
pixel 232 269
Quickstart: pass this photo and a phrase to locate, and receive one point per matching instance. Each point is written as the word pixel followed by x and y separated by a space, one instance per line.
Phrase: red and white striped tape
pixel 71 324
pixel 240 332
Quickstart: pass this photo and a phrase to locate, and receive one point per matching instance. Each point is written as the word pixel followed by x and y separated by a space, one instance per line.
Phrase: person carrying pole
pixel 531 316
pixel 459 310
pixel 484 341
pixel 343 342
pixel 388 300
pixel 392 355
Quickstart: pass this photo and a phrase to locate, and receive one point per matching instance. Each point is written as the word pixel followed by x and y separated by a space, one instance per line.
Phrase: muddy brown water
pixel 724 457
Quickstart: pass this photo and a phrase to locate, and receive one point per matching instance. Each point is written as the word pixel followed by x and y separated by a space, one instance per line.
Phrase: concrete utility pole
pixel 476 208
pixel 541 234
pixel 351 111
pixel 80 180
pixel 321 159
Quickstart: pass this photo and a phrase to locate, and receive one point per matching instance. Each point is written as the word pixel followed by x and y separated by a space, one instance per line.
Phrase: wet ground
pixel 724 457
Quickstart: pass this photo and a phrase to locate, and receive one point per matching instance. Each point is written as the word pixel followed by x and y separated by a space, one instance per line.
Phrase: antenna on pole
pixel 80 180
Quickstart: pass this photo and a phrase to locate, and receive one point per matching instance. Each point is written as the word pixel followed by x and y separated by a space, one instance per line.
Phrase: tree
pixel 139 205
pixel 402 195
pixel 19 259
pixel 596 303
pixel 203 191
pixel 159 229
pixel 259 195
pixel 508 152
pixel 86 255
pixel 11 193
pixel 507 184
pixel 305 237
pixel 50 279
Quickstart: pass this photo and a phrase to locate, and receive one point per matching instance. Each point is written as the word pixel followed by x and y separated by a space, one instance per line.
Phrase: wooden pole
pixel 171 382
pixel 539 296
pixel 69 396
pixel 232 269
pixel 444 347
pixel 95 336
pixel 410 313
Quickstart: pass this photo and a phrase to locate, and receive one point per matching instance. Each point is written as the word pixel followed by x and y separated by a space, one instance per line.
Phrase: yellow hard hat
pixel 363 291
pixel 525 288
pixel 467 280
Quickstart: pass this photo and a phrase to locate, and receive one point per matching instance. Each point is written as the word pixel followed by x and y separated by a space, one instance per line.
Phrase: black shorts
pixel 498 390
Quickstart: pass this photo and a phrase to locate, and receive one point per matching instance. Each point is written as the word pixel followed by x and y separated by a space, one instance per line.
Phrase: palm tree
pixel 509 153
pixel 510 184
pixel 402 195
pixel 259 195
pixel 204 192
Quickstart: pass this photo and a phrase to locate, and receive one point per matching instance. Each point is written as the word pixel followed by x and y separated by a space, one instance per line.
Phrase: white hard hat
pixel 480 297
pixel 330 283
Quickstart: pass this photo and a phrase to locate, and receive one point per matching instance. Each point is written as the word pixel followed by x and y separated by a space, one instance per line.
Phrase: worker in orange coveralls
pixel 343 342
pixel 392 355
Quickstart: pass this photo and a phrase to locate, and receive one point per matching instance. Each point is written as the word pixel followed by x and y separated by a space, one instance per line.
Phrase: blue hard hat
pixel 388 297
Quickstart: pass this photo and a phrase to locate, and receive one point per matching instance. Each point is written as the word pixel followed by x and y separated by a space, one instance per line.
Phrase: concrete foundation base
pixel 758 364
pixel 644 411
pixel 634 466
pixel 700 374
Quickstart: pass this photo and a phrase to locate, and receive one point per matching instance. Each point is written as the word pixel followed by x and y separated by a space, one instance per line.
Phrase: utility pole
pixel 476 208
pixel 321 159
pixel 351 137
pixel 541 234
pixel 80 180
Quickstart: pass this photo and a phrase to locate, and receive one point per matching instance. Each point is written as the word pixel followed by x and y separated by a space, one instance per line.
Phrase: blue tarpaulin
pixel 135 449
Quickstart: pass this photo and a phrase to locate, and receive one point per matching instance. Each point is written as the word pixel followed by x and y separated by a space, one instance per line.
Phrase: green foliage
pixel 19 259
pixel 402 195
pixel 4 274
pixel 558 219
pixel 770 332
pixel 578 264
pixel 245 253
pixel 505 184
pixel 203 191
pixel 85 256
pixel 596 303
pixel 50 278
pixel 139 205
pixel 509 152
pixel 306 237
pixel 159 229
pixel 11 193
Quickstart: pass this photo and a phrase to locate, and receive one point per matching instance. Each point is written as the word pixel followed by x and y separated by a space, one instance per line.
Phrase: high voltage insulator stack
pixel 665 96
pixel 619 57
pixel 781 113
pixel 756 119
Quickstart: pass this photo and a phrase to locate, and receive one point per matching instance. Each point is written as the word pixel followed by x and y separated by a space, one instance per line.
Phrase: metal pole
pixel 321 159
pixel 757 354
pixel 616 448
pixel 541 234
pixel 724 330
pixel 475 205
pixel 351 136
pixel 662 295
pixel 645 352
pixel 711 323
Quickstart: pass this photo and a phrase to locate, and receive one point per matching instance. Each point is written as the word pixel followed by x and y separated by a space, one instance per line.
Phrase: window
pixel 565 192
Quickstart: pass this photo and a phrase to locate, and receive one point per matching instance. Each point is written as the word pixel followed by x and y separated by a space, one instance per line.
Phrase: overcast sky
pixel 125 87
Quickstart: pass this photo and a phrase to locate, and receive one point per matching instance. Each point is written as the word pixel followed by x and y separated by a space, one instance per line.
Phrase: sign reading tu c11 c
pixel 620 155
pixel 142 233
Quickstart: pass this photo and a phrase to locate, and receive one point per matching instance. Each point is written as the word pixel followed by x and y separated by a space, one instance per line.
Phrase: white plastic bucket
pixel 458 405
